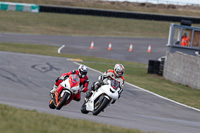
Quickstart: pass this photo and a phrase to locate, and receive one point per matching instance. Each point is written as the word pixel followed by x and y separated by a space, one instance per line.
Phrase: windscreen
pixel 75 78
pixel 115 84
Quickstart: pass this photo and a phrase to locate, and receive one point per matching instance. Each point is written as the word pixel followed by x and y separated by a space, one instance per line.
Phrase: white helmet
pixel 82 71
pixel 119 70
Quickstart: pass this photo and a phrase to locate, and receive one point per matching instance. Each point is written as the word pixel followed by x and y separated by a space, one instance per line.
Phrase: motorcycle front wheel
pixel 83 109
pixel 62 101
pixel 100 106
pixel 51 104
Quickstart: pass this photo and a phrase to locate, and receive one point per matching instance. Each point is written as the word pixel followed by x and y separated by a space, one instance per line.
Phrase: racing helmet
pixel 119 70
pixel 82 71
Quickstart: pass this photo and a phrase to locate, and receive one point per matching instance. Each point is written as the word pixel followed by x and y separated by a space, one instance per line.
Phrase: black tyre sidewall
pixel 101 107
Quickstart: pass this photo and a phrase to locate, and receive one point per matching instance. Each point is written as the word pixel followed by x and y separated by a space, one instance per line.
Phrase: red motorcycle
pixel 71 88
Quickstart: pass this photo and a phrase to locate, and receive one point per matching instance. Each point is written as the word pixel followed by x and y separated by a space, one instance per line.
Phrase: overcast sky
pixel 165 1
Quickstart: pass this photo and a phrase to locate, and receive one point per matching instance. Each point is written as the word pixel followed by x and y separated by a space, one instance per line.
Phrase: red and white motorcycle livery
pixel 101 98
pixel 71 88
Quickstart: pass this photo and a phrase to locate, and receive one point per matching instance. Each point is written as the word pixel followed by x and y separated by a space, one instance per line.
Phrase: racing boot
pixel 113 101
pixel 53 89
pixel 89 93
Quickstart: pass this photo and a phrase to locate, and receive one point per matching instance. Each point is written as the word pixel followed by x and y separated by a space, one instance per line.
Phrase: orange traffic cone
pixel 149 49
pixel 92 45
pixel 131 47
pixel 109 46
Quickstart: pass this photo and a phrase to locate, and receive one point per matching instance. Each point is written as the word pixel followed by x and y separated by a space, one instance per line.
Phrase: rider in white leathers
pixel 116 74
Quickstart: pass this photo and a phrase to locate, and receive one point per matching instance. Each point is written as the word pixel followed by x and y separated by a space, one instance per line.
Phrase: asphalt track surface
pixel 81 45
pixel 26 80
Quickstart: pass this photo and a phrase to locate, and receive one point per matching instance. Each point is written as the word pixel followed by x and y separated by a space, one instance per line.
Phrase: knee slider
pixel 78 99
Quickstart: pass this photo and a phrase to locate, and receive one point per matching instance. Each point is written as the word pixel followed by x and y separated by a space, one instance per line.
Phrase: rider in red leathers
pixel 84 81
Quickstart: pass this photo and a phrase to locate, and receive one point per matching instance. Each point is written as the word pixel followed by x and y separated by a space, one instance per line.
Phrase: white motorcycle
pixel 101 98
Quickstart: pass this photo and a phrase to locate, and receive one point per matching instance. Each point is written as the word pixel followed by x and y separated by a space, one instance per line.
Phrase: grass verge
pixel 66 24
pixel 15 120
pixel 145 6
pixel 135 73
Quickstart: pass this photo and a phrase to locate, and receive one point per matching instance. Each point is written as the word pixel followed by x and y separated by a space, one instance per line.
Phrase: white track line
pixel 60 48
pixel 148 91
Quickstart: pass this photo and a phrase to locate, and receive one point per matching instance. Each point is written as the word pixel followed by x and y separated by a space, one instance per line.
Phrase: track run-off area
pixel 81 45
pixel 27 79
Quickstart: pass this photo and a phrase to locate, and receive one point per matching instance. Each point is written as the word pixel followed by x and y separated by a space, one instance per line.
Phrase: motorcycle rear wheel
pixel 101 107
pixel 62 101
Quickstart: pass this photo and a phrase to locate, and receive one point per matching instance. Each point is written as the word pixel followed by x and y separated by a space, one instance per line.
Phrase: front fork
pixel 52 95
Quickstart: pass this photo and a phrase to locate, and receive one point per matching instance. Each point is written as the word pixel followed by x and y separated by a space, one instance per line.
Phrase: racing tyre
pixel 83 109
pixel 62 101
pixel 103 104
pixel 51 104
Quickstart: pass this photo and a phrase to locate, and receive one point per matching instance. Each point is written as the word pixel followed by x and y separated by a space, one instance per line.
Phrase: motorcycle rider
pixel 84 81
pixel 116 74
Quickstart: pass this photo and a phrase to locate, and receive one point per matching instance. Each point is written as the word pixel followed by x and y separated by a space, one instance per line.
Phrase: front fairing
pixel 107 90
pixel 72 83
